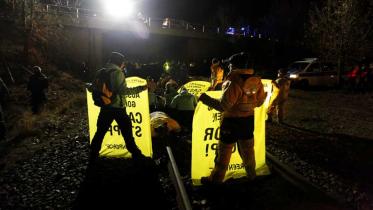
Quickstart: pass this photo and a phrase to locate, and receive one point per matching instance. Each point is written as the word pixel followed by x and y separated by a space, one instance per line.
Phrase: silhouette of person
pixel 184 104
pixel 278 108
pixel 37 85
pixel 116 110
pixel 4 94
pixel 217 74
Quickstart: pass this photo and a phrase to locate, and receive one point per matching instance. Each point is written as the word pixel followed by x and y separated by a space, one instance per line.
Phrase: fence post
pixel 203 28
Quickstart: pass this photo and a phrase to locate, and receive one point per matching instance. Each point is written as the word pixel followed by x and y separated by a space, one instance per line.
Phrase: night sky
pixel 205 11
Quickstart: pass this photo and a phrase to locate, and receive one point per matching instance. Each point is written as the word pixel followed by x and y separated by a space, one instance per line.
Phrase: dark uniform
pixel 4 94
pixel 37 85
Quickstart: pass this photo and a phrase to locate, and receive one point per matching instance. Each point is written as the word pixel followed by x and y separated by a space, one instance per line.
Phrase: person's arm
pixel 173 103
pixel 119 84
pixel 261 95
pixel 211 102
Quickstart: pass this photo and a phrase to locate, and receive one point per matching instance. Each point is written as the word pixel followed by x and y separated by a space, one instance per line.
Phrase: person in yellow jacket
pixel 242 92
pixel 217 75
pixel 278 107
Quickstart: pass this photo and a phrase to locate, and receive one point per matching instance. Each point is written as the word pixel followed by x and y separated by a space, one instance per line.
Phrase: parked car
pixel 311 72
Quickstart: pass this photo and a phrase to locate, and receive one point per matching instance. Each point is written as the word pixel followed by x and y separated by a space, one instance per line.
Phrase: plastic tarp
pixel 137 106
pixel 206 132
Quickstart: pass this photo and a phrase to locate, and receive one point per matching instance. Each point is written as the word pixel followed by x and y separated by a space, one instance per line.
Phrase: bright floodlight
pixel 119 8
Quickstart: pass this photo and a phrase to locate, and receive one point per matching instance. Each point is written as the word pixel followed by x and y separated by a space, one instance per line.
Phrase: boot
pixel 221 163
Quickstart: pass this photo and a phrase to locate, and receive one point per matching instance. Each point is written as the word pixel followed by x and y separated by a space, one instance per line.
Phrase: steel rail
pixel 300 181
pixel 182 196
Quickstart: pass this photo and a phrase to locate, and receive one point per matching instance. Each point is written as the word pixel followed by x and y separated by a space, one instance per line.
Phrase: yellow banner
pixel 197 87
pixel 137 107
pixel 206 133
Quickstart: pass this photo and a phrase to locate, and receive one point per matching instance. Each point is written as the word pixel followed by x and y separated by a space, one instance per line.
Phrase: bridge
pixel 80 17
pixel 91 27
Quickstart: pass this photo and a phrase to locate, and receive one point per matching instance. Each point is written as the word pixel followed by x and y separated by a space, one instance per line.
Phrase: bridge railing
pixel 165 23
pixel 155 23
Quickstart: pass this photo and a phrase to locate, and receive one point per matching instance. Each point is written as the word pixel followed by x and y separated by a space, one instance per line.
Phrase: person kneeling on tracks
pixel 242 92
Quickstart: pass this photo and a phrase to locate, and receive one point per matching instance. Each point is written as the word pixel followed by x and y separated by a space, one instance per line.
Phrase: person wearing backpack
pixel 242 92
pixel 109 89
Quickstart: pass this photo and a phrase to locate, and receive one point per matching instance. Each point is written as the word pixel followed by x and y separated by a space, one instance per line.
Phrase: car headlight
pixel 294 76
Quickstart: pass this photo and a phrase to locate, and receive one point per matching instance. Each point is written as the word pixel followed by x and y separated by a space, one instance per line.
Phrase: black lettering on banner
pixel 136 118
pixel 116 146
pixel 138 131
pixel 132 94
pixel 211 133
pixel 216 116
pixel 110 130
pixel 236 166
pixel 114 129
pixel 213 146
pixel 130 104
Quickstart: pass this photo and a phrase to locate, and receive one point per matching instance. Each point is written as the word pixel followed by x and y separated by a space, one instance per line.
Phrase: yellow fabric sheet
pixel 138 110
pixel 206 132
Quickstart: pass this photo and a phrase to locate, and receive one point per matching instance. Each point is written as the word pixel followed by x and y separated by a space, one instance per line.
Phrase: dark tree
pixel 340 31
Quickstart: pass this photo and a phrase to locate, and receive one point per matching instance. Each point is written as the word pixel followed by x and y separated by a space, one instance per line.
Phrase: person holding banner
pixel 278 107
pixel 217 74
pixel 116 110
pixel 242 92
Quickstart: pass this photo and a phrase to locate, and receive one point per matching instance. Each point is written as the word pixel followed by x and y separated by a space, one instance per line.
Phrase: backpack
pixel 250 87
pixel 102 93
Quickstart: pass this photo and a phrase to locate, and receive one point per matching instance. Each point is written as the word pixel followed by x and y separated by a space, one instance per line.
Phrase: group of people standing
pixel 242 92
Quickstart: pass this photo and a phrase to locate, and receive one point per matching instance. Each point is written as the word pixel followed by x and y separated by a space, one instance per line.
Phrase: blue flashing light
pixel 230 31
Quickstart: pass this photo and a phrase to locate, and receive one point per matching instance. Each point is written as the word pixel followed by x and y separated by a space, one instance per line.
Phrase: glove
pixel 144 87
pixel 203 97
pixel 89 87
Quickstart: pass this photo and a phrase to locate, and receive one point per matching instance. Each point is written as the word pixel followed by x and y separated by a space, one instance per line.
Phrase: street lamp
pixel 119 8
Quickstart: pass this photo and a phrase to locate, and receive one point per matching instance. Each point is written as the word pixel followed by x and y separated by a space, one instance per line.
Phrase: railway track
pixel 298 180
pixel 312 195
